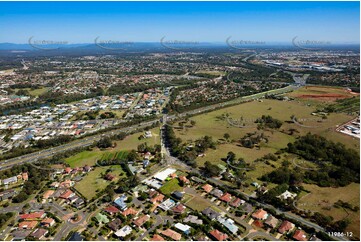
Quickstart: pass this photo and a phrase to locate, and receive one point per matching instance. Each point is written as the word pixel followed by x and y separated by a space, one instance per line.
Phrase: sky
pixel 82 22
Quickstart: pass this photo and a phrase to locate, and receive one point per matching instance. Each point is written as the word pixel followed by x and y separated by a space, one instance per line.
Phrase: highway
pixel 84 142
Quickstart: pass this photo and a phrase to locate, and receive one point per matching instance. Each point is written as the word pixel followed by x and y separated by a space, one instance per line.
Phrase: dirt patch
pixel 323 97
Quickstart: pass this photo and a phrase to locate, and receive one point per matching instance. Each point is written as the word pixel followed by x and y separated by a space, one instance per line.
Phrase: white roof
pixel 124 231
pixel 182 227
pixel 164 174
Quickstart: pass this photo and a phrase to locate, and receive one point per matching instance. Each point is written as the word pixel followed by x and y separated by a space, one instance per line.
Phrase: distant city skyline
pixel 213 22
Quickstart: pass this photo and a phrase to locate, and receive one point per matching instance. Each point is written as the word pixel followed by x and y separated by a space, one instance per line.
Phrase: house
pixel 48 194
pixel 226 197
pixel 120 202
pixel 258 223
pixel 130 211
pixel 247 208
pixel 177 195
pixel 10 180
pixel 179 209
pixel 271 221
pixel 67 170
pixel 67 194
pixel 111 210
pixel 299 235
pixel 140 221
pixel 286 226
pixel 157 199
pixel 87 168
pixel 67 184
pixel 157 237
pixel 260 214
pixel 185 229
pixel 229 224
pixel 126 230
pixel 193 219
pixel 286 195
pixel 33 216
pixel 171 234
pixel 217 193
pixel 167 204
pixel 161 176
pixel 115 224
pixel 236 202
pixel 28 224
pixel 78 203
pixel 207 188
pixel 217 235
pixel 47 222
pixel 184 179
pixel 210 213
pixel 39 233
pixel 7 194
pixel 18 235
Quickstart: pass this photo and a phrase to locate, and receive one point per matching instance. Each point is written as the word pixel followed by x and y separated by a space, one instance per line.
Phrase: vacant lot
pixel 170 186
pixel 198 204
pixel 213 124
pixel 84 158
pixel 321 199
pixel 132 141
pixel 93 181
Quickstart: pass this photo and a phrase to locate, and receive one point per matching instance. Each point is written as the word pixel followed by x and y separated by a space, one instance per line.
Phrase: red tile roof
pixel 157 237
pixel 130 211
pixel 33 216
pixel 236 202
pixel 179 208
pixel 140 221
pixel 259 214
pixel 285 227
pixel 184 179
pixel 300 235
pixel 258 223
pixel 66 194
pixel 28 224
pixel 218 235
pixel 111 209
pixel 172 234
pixel 208 188
pixel 226 197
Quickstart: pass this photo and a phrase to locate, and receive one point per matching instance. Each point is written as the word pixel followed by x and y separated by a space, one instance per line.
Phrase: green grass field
pixel 84 158
pixel 35 92
pixel 93 182
pixel 170 186
pixel 211 124
pixel 198 204
pixel 132 141
pixel 321 199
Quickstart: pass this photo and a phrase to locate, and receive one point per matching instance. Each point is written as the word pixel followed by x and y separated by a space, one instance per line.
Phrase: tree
pixel 226 136
pixel 193 122
pixel 104 142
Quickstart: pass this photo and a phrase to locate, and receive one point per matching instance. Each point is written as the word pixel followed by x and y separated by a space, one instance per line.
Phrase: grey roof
pixel 210 213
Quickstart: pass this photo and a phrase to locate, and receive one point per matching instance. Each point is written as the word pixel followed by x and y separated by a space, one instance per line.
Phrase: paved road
pixel 32 157
pixel 87 141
